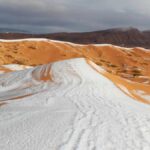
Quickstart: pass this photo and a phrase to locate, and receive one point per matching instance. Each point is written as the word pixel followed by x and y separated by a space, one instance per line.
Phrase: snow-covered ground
pixel 15 67
pixel 75 108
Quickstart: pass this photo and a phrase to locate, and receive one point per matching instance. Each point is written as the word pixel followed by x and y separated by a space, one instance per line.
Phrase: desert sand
pixel 128 68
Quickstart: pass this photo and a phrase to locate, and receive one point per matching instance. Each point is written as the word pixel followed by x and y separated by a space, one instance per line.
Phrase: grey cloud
pixel 73 15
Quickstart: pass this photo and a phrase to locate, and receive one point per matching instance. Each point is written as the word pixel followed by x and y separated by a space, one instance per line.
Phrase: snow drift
pixel 68 105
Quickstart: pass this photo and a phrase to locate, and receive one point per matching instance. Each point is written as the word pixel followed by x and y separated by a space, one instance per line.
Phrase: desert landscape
pixel 64 96
pixel 74 75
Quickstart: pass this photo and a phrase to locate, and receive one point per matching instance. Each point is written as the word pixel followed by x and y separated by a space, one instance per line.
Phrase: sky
pixel 48 16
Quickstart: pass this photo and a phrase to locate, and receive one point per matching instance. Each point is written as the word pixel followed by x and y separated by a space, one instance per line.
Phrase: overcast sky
pixel 73 15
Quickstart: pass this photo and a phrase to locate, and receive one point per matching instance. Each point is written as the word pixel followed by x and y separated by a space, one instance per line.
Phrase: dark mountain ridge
pixel 128 37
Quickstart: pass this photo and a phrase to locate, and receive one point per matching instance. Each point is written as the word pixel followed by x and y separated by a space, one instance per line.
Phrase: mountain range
pixel 127 37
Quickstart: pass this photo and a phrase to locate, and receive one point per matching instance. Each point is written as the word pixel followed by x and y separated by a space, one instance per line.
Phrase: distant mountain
pixel 128 37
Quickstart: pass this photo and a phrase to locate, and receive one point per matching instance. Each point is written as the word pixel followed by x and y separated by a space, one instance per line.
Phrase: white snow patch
pixel 16 67
pixel 78 109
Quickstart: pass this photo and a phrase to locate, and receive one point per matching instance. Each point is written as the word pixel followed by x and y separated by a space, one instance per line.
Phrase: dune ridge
pixel 128 68
pixel 77 107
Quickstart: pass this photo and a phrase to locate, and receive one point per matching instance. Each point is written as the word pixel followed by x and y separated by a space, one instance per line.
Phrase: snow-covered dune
pixel 68 105
pixel 130 64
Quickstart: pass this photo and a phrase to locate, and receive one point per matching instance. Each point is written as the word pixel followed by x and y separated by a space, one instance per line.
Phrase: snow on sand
pixel 76 108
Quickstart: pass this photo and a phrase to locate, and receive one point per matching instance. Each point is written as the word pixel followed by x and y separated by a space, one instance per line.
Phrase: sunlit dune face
pixel 34 52
pixel 128 68
pixel 131 88
pixel 138 91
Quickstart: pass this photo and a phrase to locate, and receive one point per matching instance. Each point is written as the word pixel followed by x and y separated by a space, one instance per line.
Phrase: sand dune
pixel 128 68
pixel 136 90
pixel 76 108
pixel 125 62
pixel 63 96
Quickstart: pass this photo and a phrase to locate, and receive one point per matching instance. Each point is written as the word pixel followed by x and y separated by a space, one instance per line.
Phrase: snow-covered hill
pixel 68 105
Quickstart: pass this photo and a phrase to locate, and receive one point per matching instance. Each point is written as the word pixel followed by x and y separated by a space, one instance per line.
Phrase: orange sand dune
pixel 127 63
pixel 130 88
pixel 126 67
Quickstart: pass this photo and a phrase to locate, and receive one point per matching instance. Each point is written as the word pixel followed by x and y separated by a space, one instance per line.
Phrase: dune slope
pixel 128 67
pixel 69 105
pixel 125 62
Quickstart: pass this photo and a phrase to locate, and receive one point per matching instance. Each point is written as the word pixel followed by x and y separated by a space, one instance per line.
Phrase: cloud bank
pixel 73 15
